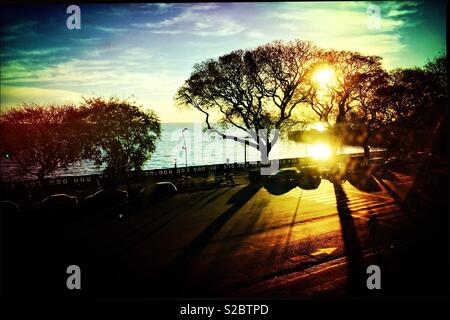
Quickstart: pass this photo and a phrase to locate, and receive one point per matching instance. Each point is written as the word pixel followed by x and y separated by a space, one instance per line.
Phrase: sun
pixel 320 151
pixel 319 126
pixel 324 77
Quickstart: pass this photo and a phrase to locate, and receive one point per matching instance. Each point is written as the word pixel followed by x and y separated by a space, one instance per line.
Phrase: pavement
pixel 243 241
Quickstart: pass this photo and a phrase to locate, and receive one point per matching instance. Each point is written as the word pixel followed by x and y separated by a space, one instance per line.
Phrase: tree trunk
pixel 127 180
pixel 366 153
pixel 366 149
pixel 40 177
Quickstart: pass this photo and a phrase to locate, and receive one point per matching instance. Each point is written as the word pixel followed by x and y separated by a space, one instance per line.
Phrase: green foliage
pixel 122 136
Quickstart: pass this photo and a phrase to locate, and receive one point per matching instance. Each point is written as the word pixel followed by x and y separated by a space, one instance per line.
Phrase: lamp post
pixel 185 148
pixel 245 149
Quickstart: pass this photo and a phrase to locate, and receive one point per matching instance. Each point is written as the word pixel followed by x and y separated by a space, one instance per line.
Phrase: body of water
pixel 183 143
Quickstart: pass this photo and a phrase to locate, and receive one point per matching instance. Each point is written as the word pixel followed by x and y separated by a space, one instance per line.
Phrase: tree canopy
pixel 41 139
pixel 252 89
pixel 45 139
pixel 121 134
pixel 268 87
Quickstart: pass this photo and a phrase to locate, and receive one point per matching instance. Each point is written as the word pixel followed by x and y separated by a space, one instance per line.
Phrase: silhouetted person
pixel 230 179
pixel 373 226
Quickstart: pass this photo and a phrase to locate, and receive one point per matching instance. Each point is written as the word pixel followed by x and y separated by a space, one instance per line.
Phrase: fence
pixel 169 173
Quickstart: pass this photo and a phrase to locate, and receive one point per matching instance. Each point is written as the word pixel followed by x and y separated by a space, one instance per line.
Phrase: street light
pixel 185 148
pixel 245 149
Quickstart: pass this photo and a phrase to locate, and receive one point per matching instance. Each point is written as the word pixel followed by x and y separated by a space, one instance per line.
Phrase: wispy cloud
pixel 336 25
pixel 19 27
pixel 16 95
pixel 17 31
pixel 111 29
pixel 199 20
pixel 37 52
pixel 148 50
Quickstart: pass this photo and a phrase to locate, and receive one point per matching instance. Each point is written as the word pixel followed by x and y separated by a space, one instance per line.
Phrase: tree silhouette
pixel 41 139
pixel 353 75
pixel 121 135
pixel 415 99
pixel 371 114
pixel 252 89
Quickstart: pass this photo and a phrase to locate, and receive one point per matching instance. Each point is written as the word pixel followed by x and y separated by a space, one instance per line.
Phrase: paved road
pixel 244 241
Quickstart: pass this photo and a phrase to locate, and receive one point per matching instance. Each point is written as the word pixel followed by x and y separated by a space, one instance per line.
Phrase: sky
pixel 146 51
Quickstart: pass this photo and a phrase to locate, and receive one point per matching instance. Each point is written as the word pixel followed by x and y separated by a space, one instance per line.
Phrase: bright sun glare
pixel 320 151
pixel 319 126
pixel 324 76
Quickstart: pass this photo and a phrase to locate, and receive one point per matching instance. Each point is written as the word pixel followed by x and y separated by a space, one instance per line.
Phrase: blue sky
pixel 148 50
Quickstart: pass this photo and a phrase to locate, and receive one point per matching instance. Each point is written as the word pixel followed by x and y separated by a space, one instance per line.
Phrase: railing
pixel 170 173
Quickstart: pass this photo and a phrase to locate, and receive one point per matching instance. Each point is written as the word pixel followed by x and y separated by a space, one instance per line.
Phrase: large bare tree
pixel 253 89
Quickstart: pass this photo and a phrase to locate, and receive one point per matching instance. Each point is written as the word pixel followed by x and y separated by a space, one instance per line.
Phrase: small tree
pixel 122 136
pixel 41 139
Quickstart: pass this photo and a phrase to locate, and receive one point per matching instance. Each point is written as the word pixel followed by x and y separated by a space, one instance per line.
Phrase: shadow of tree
pixel 217 195
pixel 385 174
pixel 351 242
pixel 174 277
pixel 291 225
pixel 398 199
pixel 363 183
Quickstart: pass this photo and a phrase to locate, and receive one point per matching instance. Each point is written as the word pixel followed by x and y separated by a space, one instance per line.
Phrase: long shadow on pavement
pixel 356 269
pixel 396 197
pixel 363 182
pixel 217 195
pixel 172 281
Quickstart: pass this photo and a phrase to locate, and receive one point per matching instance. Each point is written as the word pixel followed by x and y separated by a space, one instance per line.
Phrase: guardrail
pixel 159 174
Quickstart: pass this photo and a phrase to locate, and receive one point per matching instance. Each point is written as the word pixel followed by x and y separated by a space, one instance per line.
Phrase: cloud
pixel 131 73
pixel 128 72
pixel 255 34
pixel 39 52
pixel 193 20
pixel 126 10
pixel 87 40
pixel 18 31
pixel 345 25
pixel 19 27
pixel 105 60
pixel 111 29
pixel 16 95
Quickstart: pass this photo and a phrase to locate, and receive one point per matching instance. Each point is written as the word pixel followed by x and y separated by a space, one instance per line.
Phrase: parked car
pixel 155 192
pixel 285 176
pixel 56 206
pixel 337 172
pixel 106 197
pixel 165 190
pixel 10 212
pixel 9 207
pixel 110 201
pixel 281 182
pixel 60 200
pixel 393 163
pixel 309 178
